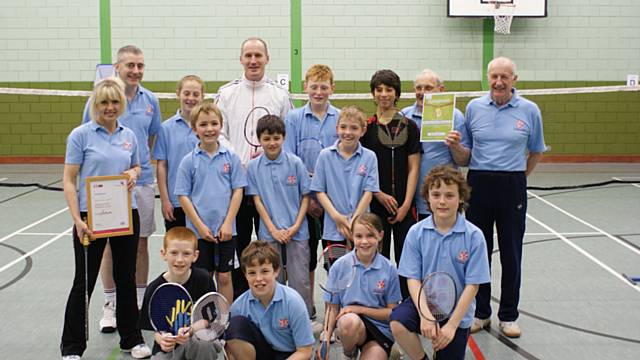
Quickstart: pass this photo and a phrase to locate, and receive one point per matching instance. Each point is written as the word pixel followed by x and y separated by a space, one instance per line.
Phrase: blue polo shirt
pixel 344 181
pixel 375 286
pixel 209 183
pixel 143 116
pixel 175 140
pixel 100 153
pixel 433 153
pixel 500 137
pixel 462 253
pixel 307 135
pixel 281 184
pixel 284 323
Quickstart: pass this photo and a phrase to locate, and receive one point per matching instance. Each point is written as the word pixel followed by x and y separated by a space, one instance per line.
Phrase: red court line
pixel 475 349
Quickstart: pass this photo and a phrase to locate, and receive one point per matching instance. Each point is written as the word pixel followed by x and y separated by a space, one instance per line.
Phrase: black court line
pixel 510 344
pixel 27 192
pixel 25 271
pixel 564 325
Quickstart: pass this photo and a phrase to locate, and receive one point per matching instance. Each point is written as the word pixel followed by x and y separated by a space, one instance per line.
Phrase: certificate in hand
pixel 109 206
pixel 437 116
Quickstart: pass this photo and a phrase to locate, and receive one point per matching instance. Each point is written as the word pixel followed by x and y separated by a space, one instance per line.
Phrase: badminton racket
pixel 437 298
pixel 391 135
pixel 85 246
pixel 170 308
pixel 250 124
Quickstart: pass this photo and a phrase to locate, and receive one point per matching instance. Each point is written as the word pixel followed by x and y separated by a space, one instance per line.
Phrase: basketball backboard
pixel 487 8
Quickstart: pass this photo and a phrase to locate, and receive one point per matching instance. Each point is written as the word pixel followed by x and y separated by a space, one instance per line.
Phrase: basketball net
pixel 502 19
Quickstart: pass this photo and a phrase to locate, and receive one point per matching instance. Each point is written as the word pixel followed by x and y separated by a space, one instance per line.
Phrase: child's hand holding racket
pixel 183 335
pixel 444 336
pixel 166 341
pixel 225 232
pixel 428 329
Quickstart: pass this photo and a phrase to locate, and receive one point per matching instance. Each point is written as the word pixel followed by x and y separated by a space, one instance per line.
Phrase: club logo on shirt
pixel 463 256
pixel 283 323
pixel 149 110
pixel 362 170
pixel 127 146
pixel 226 168
pixel 291 180
pixel 380 285
pixel 520 125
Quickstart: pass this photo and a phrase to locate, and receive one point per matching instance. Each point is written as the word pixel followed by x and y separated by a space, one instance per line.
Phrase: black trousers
pixel 500 198
pixel 246 220
pixel 124 250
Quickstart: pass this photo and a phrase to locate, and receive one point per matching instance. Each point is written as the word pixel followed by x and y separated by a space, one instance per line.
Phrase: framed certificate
pixel 437 116
pixel 109 206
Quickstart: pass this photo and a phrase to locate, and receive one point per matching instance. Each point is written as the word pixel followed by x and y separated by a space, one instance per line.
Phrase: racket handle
pixel 85 237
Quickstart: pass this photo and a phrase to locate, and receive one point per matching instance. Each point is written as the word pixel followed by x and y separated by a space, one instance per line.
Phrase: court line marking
pixel 620 179
pixel 585 223
pixel 33 224
pixel 42 246
pixel 585 253
pixel 3 179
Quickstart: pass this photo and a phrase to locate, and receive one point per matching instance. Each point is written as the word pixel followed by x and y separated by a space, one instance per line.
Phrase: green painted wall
pixel 581 124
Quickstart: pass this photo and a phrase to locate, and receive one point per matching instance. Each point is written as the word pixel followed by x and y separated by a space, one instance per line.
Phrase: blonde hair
pixel 319 72
pixel 195 78
pixel 180 233
pixel 353 112
pixel 107 89
pixel 207 107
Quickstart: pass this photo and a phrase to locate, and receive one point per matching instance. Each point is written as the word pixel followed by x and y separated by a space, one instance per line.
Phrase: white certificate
pixel 109 206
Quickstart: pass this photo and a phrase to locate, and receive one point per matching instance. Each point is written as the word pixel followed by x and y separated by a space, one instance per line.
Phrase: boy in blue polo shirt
pixel 269 321
pixel 362 310
pixel 209 186
pixel 345 177
pixel 279 183
pixel 445 241
pixel 310 129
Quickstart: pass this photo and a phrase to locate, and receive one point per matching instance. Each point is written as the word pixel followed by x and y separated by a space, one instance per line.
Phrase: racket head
pixel 170 308
pixel 309 149
pixel 342 278
pixel 396 132
pixel 210 316
pixel 438 295
pixel 251 123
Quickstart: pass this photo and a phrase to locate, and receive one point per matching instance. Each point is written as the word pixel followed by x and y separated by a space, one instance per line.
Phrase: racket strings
pixel 395 133
pixel 439 294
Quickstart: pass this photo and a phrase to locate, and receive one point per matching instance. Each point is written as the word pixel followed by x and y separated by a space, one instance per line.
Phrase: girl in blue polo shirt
pixel 362 310
pixel 447 242
pixel 175 140
pixel 102 147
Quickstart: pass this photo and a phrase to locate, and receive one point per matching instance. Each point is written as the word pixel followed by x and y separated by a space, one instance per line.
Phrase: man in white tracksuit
pixel 236 100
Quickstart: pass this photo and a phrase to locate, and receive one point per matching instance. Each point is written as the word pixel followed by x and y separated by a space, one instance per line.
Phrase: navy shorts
pixel 374 334
pixel 218 257
pixel 241 328
pixel 407 314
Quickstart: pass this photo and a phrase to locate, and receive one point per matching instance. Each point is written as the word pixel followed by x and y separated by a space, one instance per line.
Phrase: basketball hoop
pixel 502 17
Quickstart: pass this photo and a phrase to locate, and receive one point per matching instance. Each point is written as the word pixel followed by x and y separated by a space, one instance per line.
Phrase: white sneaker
pixel 317 327
pixel 71 357
pixel 140 351
pixel 510 329
pixel 108 321
pixel 479 324
pixel 333 337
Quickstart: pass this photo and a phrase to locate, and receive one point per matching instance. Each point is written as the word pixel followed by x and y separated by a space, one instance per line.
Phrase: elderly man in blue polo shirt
pixel 448 152
pixel 505 138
